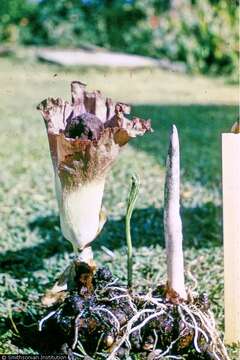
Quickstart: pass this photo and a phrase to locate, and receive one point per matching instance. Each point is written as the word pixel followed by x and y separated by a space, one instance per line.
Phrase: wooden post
pixel 231 234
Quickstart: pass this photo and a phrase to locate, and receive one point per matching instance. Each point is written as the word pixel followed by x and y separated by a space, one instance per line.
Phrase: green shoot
pixel 130 206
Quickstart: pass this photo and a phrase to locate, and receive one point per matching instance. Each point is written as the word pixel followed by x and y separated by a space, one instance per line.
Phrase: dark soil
pixel 96 321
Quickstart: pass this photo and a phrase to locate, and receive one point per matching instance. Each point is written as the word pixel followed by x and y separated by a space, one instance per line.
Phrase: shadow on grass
pixel 200 128
pixel 22 262
pixel 29 335
pixel 201 229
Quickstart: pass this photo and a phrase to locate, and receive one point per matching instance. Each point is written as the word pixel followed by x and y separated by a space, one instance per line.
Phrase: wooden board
pixel 231 233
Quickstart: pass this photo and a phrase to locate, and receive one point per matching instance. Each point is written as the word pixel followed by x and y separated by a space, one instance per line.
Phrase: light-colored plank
pixel 231 231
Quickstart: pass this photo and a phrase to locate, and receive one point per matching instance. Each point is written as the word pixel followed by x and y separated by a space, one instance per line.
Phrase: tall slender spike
pixel 172 219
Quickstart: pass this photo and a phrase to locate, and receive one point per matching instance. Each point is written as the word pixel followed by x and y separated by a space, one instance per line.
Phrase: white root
pixel 201 322
pixel 194 280
pixel 143 323
pixel 130 329
pixel 112 283
pixel 78 355
pixel 82 350
pixel 109 313
pixel 163 354
pixel 152 300
pixel 117 288
pixel 127 333
pixel 208 322
pixel 118 297
pixel 173 357
pixel 195 326
pixel 156 339
pixel 41 322
pixel 132 305
pixel 172 219
pixel 114 298
pixel 76 330
pixel 206 328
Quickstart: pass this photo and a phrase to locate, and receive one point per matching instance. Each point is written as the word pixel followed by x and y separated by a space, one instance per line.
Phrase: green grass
pixel 33 251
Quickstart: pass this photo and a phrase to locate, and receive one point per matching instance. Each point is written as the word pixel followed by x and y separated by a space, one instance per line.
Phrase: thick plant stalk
pixel 130 206
pixel 172 220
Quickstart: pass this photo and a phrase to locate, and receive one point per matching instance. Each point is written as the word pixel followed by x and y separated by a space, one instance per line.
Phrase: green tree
pixel 14 14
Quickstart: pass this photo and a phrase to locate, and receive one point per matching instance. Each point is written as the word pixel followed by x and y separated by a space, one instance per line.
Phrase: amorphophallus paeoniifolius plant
pixel 99 318
pixel 85 137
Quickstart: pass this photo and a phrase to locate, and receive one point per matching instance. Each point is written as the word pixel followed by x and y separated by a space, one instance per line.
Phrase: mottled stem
pixel 172 219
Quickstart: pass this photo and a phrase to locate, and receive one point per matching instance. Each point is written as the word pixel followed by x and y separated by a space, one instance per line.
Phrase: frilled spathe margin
pixel 85 138
pixel 87 155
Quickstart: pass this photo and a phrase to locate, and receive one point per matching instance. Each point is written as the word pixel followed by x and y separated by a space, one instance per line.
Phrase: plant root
pixel 109 322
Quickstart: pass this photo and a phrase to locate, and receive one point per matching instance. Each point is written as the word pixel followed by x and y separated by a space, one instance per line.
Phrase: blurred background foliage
pixel 201 33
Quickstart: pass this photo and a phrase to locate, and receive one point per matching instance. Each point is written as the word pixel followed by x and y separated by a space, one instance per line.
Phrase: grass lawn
pixel 33 252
